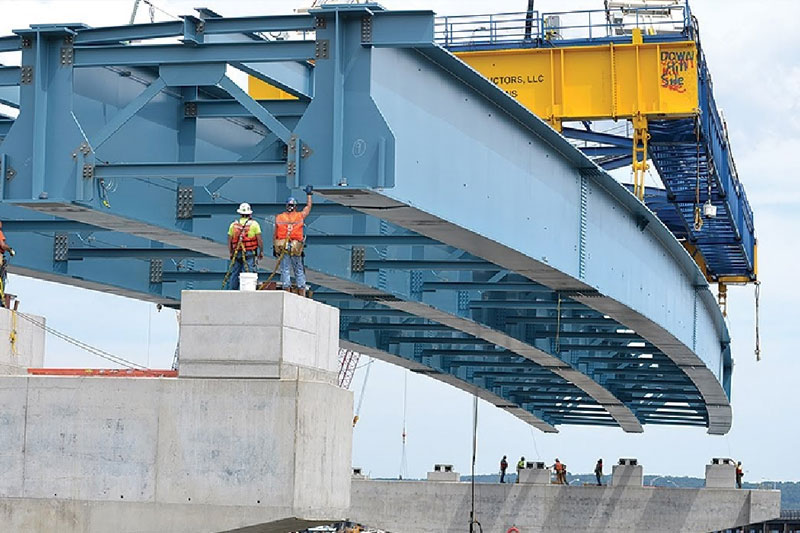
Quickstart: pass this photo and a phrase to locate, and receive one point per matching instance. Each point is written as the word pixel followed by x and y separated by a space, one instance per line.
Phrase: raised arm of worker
pixel 307 209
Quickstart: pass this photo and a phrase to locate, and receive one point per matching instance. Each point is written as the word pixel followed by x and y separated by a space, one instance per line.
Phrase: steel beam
pixel 238 169
pixel 232 108
pixel 594 151
pixel 594 321
pixel 482 286
pixel 269 23
pixel 10 76
pixel 125 253
pixel 619 162
pixel 410 264
pixel 5 126
pixel 10 96
pixel 125 114
pixel 365 312
pixel 11 43
pixel 295 78
pixel 210 26
pixel 59 225
pixel 172 54
pixel 411 326
pixel 524 304
pixel 598 137
pixel 192 275
pixel 261 114
pixel 436 340
pixel 205 209
pixel 370 240
pixel 131 32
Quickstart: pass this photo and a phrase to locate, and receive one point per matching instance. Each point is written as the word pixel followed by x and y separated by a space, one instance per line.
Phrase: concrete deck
pixel 431 507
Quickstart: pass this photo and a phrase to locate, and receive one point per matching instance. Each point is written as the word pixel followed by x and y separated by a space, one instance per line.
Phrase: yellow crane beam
pixel 612 81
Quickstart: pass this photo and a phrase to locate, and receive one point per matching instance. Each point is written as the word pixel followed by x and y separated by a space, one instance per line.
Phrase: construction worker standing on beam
pixel 245 244
pixel 288 242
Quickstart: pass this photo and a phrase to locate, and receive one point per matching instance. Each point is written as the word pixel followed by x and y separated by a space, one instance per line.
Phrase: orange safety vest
pixel 240 232
pixel 289 224
pixel 559 467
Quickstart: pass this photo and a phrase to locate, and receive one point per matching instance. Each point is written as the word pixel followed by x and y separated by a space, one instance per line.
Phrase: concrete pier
pixel 269 448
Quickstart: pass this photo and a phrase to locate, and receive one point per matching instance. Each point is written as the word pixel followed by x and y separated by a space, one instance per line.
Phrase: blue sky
pixel 757 84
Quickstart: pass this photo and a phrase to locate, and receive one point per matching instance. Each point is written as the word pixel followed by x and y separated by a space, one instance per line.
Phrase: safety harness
pixel 240 249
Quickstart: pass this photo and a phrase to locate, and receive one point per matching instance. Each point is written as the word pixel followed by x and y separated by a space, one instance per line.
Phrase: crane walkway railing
pixel 533 29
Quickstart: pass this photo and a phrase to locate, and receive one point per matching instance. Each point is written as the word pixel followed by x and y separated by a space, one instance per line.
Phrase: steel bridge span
pixel 460 236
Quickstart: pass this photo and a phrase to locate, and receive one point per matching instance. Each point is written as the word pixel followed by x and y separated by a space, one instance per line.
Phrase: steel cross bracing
pixel 459 235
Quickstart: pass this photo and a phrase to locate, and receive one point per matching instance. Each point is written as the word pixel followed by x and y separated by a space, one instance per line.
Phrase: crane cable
pixel 82 345
pixel 473 521
pixel 758 336
pixel 403 462
pixel 698 217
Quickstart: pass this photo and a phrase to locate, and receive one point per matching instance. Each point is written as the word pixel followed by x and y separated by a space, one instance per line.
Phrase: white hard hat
pixel 245 209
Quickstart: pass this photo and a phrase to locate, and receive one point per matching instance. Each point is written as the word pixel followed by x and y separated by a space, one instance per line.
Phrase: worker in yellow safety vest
pixel 288 242
pixel 520 466
pixel 245 244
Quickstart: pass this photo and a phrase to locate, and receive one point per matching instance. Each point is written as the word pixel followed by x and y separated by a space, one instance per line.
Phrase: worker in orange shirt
pixel 4 247
pixel 288 241
pixel 559 470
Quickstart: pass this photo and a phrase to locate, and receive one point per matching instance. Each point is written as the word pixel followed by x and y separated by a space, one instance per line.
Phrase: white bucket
pixel 248 281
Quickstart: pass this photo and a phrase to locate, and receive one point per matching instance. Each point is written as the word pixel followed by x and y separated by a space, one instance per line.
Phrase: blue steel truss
pixel 459 235
pixel 692 156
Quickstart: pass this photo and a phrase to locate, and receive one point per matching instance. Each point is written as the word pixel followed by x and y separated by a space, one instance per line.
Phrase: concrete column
pixel 535 473
pixel 721 474
pixel 627 473
pixel 443 472
pixel 26 350
pixel 259 334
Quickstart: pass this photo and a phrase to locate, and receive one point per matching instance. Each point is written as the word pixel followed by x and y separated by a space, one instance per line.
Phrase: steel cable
pixel 84 346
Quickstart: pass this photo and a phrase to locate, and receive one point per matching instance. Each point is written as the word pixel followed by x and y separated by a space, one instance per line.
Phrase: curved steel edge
pixel 376 204
pixel 717 400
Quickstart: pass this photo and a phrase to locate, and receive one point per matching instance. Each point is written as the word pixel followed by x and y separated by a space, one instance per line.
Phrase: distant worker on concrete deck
pixel 245 245
pixel 558 468
pixel 289 240
pixel 739 475
pixel 520 467
pixel 4 247
pixel 598 472
pixel 503 467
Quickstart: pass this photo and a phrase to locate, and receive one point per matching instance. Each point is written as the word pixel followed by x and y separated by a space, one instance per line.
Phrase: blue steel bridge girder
pixel 132 254
pixel 395 182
